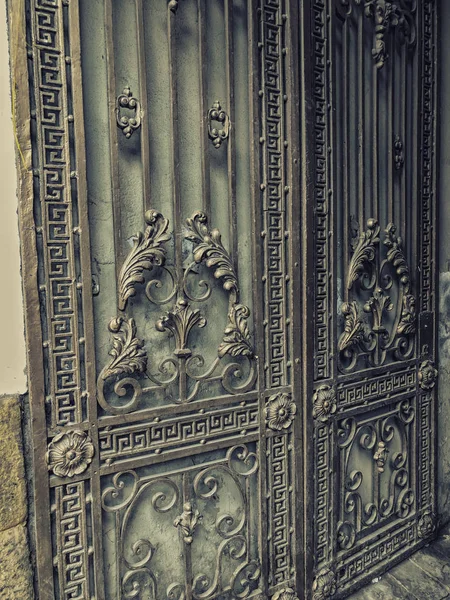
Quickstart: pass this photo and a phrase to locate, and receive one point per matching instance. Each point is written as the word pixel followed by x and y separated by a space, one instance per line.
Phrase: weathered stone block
pixel 13 509
pixel 16 582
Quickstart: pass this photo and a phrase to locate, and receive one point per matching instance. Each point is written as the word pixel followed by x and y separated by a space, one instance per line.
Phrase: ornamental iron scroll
pixel 173 498
pixel 218 133
pixel 381 490
pixel 70 453
pixel 179 372
pixel 127 124
pixel 391 323
pixel 386 16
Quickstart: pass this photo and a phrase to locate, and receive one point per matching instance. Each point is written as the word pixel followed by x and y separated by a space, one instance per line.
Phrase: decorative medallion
pixel 70 453
pixel 426 525
pixel 187 522
pixel 128 124
pixel 218 133
pixel 280 411
pixel 285 594
pixel 324 585
pixel 427 375
pixel 324 399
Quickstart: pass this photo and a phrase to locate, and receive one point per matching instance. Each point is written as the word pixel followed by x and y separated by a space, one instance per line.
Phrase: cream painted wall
pixel 12 346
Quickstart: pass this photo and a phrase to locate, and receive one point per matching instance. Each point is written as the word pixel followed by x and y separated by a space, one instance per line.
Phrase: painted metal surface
pixel 231 345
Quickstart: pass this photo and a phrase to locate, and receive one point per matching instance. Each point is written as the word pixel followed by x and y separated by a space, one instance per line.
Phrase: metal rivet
pixel 261 93
pixel 70 118
pixel 158 451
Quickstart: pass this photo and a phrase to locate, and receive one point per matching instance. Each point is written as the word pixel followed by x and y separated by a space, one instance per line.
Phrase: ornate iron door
pixel 373 254
pixel 159 197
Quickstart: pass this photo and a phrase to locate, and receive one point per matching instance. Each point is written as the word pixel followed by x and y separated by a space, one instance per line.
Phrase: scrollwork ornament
pixel 285 594
pixel 353 333
pixel 324 403
pixel 128 124
pixel 218 134
pixel 180 321
pixel 210 250
pixel 324 585
pixel 427 375
pixel 70 453
pixel 426 525
pixel 187 522
pixel 148 251
pixel 236 339
pixel 364 252
pixel 280 411
pixel 128 357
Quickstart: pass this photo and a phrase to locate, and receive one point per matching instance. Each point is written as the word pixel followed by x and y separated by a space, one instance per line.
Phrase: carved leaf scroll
pixel 148 251
pixel 209 248
pixel 364 253
pixel 128 352
pixel 236 339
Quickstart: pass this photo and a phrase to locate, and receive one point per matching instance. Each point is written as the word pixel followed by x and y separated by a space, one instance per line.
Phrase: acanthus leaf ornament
pixel 128 352
pixel 324 403
pixel 187 522
pixel 148 251
pixel 324 585
pixel 280 411
pixel 353 332
pixel 370 273
pixel 128 357
pixel 427 375
pixel 364 252
pixel 209 248
pixel 236 339
pixel 180 321
pixel 128 124
pixel 70 453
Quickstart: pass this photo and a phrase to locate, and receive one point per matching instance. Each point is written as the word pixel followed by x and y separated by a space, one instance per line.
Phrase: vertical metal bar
pixel 88 314
pixel 390 139
pixel 187 552
pixel 113 139
pixel 145 143
pixel 231 150
pixel 203 73
pixel 376 209
pixel 345 155
pixel 360 61
pixel 403 111
pixel 254 86
pixel 171 10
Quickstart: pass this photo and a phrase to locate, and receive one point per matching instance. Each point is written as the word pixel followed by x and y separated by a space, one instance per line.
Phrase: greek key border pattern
pixel 426 494
pixel 118 443
pixel 279 509
pixel 55 198
pixel 375 552
pixel 427 157
pixel 274 190
pixel 323 322
pixel 322 494
pixel 71 531
pixel 358 392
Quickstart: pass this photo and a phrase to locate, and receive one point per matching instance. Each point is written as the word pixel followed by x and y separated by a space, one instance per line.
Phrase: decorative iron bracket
pixel 216 114
pixel 128 124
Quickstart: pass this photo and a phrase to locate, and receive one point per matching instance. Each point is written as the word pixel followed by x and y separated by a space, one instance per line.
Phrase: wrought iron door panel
pixel 163 202
pixel 372 402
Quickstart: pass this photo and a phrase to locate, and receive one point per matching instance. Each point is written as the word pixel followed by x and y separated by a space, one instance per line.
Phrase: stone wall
pixel 444 278
pixel 16 580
